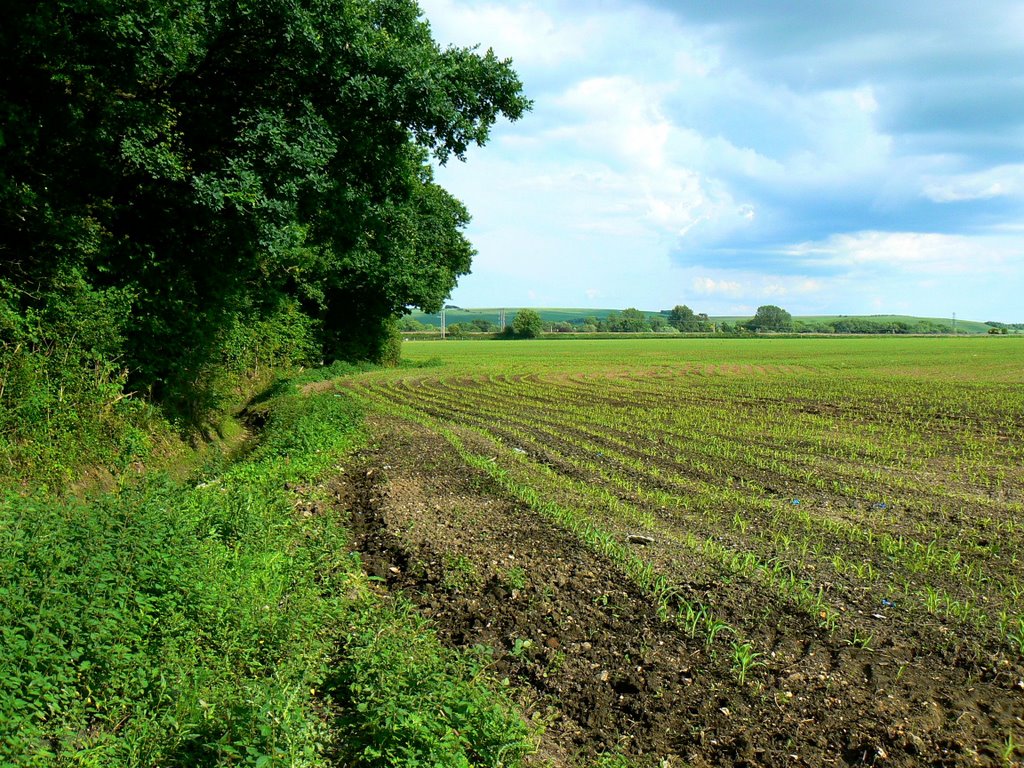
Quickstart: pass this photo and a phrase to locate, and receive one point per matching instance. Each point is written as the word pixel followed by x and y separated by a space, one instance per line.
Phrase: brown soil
pixel 587 655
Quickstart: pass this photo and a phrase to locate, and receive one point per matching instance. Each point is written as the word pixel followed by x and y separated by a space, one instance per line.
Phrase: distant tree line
pixel 681 319
pixel 857 325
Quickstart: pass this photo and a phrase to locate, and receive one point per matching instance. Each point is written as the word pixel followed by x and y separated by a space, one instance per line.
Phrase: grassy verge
pixel 212 623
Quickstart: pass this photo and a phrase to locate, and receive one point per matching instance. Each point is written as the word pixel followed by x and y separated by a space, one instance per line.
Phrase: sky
pixel 827 157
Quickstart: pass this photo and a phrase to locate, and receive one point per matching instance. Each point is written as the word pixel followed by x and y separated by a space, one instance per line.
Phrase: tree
pixel 630 320
pixel 412 324
pixel 527 324
pixel 683 318
pixel 184 173
pixel 482 325
pixel 770 318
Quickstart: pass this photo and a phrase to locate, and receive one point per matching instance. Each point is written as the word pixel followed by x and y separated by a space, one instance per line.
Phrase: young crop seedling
pixel 1009 749
pixel 744 658
pixel 862 641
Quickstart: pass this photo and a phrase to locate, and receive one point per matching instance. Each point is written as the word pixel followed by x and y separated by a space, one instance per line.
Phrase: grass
pixel 981 359
pixel 208 623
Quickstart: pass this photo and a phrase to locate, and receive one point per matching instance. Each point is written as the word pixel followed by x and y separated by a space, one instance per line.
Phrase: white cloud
pixel 710 286
pixel 524 31
pixel 624 122
pixel 909 251
pixel 1001 181
pixel 653 134
pixel 790 286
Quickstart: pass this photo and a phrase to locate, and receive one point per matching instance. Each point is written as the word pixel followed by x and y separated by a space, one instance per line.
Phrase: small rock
pixel 913 744
pixel 636 538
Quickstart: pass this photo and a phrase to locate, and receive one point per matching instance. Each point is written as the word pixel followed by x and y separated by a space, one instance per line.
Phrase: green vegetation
pixel 194 198
pixel 199 200
pixel 215 623
pixel 770 318
pixel 822 466
pixel 682 318
pixel 193 194
pixel 527 324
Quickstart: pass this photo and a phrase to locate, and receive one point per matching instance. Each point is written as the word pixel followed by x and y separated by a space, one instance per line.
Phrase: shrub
pixel 527 324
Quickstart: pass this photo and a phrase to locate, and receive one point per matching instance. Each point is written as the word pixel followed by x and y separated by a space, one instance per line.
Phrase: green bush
pixel 527 324
pixel 391 346
pixel 406 702
pixel 209 624
pixel 62 400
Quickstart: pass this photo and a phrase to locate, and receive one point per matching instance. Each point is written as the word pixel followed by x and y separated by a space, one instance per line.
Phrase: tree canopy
pixel 527 324
pixel 684 319
pixel 629 320
pixel 177 176
pixel 770 318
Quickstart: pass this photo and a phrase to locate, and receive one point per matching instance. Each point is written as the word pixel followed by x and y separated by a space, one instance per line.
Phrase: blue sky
pixel 855 157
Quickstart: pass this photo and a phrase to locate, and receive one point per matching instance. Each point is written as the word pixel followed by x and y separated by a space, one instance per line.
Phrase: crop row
pixel 754 479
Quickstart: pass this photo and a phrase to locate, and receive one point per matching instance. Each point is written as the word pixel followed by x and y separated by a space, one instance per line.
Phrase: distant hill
pixel 962 326
pixel 553 315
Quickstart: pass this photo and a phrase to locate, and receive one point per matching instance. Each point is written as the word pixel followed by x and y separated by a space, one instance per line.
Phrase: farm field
pixel 729 552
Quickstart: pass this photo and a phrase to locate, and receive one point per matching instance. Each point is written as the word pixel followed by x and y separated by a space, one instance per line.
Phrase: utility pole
pixel 954 324
pixel 444 330
pixel 501 318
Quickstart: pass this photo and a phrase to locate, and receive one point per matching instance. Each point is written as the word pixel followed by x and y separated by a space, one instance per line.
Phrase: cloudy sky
pixel 828 157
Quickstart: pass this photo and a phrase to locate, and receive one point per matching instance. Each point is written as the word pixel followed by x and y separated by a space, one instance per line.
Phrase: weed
pixel 516 578
pixel 459 573
pixel 200 624
pixel 1015 635
pixel 520 647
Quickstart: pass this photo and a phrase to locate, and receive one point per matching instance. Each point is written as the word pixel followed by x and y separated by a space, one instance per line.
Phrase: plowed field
pixel 792 552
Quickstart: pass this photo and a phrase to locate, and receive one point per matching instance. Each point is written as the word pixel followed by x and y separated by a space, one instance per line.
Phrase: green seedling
pixel 744 659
